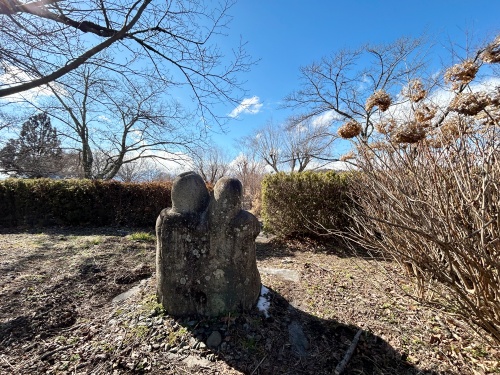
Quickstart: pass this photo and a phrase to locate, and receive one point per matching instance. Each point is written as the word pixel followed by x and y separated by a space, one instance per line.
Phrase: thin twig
pixel 49 353
pixel 255 369
pixel 348 354
pixel 6 361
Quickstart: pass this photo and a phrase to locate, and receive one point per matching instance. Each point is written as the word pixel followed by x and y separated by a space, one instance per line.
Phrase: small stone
pixel 214 339
pixel 193 362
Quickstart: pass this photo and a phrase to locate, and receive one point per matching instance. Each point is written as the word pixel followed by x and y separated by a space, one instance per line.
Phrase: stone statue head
pixel 189 194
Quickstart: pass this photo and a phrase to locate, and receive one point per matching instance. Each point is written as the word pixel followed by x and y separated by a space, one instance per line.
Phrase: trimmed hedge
pixel 81 202
pixel 305 203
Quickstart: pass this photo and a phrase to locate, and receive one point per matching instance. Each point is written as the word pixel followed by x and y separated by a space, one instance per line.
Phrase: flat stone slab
pixel 298 339
pixel 264 238
pixel 129 293
pixel 285 274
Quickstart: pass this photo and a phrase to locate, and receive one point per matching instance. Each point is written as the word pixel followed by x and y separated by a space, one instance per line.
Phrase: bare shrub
pixel 428 197
pixel 437 212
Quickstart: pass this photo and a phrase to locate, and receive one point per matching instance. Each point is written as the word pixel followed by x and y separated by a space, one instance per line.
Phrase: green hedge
pixel 306 203
pixel 81 202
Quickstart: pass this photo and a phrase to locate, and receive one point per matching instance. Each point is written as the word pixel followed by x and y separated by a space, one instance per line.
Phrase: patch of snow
pixel 264 301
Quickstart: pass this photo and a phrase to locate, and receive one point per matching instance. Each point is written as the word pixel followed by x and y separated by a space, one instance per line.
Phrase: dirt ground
pixel 61 312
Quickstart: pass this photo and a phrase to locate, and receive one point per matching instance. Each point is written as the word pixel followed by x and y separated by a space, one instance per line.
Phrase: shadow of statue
pixel 285 340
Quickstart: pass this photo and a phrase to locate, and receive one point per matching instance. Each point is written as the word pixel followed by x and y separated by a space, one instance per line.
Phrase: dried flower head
pixel 425 113
pixel 462 73
pixel 349 156
pixel 350 129
pixel 489 117
pixel 495 98
pixel 491 54
pixel 365 153
pixel 386 126
pixel 410 132
pixel 415 91
pixel 445 135
pixel 469 103
pixel 380 146
pixel 450 129
pixel 379 99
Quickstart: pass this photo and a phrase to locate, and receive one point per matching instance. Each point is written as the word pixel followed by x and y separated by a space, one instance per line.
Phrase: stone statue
pixel 205 260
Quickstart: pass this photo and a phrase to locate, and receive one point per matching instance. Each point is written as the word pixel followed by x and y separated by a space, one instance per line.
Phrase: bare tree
pixel 133 171
pixel 114 122
pixel 294 144
pixel 250 170
pixel 342 83
pixel 212 163
pixel 144 170
pixel 71 166
pixel 268 144
pixel 6 119
pixel 174 42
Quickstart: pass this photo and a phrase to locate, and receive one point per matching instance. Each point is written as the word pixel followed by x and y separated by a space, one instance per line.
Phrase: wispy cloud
pixel 249 105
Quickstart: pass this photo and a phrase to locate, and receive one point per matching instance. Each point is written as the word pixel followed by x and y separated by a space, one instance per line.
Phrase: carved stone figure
pixel 205 260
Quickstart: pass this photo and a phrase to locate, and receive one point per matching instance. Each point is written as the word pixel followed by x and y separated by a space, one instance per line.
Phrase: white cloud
pixel 104 118
pixel 14 75
pixel 249 105
pixel 325 119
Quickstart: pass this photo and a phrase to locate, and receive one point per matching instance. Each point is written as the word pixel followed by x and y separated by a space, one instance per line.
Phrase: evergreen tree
pixel 36 153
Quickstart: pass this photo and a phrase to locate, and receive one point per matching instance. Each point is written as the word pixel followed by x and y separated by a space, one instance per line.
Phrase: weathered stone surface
pixel 214 340
pixel 206 250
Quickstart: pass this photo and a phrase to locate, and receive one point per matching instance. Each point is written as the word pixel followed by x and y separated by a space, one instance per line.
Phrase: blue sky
pixel 287 34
